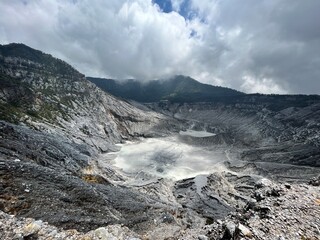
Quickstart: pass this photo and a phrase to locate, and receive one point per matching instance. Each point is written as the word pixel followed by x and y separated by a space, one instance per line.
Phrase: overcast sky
pixel 267 46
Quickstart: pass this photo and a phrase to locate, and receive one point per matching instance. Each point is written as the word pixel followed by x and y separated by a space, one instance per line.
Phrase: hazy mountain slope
pixel 176 89
pixel 181 89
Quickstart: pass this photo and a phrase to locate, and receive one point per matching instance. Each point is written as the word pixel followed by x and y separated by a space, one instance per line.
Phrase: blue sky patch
pixel 185 11
pixel 165 5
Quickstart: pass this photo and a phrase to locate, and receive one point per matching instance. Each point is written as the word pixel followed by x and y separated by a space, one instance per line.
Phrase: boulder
pixel 32 228
pixel 244 231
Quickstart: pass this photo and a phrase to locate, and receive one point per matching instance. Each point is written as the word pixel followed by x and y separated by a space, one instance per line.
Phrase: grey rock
pixel 263 183
pixel 315 181
pixel 209 204
pixel 244 231
pixel 32 229
pixel 103 234
pixel 258 196
pixel 287 185
pixel 167 218
pixel 273 192
pixel 230 229
pixel 202 237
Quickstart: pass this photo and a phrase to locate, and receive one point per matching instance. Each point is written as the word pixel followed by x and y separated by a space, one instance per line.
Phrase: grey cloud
pixel 266 46
pixel 277 44
pixel 298 20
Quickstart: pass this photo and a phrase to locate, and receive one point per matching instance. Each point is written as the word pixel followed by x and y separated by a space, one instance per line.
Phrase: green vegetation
pixel 10 113
pixel 276 102
pixel 177 89
pixel 47 97
pixel 187 90
pixel 18 99
pixel 54 65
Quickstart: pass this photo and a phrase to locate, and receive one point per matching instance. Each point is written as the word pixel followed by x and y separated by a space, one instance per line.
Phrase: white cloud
pixel 264 85
pixel 220 43
pixel 115 38
pixel 176 5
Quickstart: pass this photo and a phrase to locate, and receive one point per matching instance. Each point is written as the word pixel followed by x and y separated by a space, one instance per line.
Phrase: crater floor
pixel 168 157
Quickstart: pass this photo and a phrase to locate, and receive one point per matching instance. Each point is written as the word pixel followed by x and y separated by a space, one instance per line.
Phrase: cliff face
pixel 54 124
pixel 284 130
pixel 36 87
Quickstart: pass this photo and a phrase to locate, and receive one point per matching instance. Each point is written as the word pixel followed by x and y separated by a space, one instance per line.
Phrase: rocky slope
pixel 54 125
pixel 278 211
pixel 254 131
pixel 37 86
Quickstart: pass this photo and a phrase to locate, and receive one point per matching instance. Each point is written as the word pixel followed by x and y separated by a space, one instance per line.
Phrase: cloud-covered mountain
pixel 269 46
pixel 175 89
